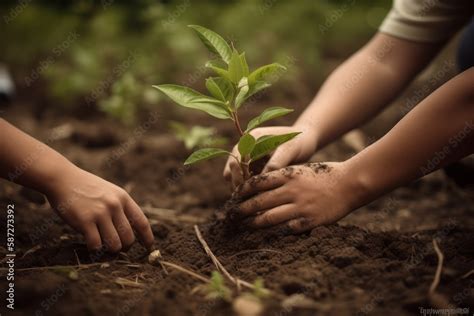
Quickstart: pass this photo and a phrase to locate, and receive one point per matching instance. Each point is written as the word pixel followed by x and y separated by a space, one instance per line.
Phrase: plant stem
pixel 235 118
pixel 244 165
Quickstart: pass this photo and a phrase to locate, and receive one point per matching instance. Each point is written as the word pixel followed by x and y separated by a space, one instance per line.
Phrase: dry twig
pixel 238 282
pixel 126 282
pixel 439 268
pixel 184 270
pixel 438 300
pixel 77 258
pixel 209 252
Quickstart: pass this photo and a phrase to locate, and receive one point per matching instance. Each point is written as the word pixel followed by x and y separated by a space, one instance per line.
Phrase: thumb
pixel 281 158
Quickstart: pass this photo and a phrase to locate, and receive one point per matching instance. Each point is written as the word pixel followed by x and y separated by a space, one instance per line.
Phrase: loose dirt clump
pixel 318 167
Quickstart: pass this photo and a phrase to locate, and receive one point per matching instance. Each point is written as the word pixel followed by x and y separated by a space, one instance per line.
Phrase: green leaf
pixel 226 87
pixel 267 115
pixel 190 98
pixel 218 70
pixel 236 69
pixel 245 66
pixel 257 87
pixel 214 89
pixel 214 42
pixel 268 143
pixel 246 144
pixel 265 72
pixel 205 154
pixel 262 138
pixel 244 89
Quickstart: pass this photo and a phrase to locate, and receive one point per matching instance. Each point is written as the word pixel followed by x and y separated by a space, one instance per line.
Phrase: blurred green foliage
pixel 197 136
pixel 106 54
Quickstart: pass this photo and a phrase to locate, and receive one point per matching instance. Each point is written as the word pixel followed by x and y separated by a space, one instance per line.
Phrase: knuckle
pixel 85 220
pixel 127 238
pixel 113 244
pixel 101 213
pixel 255 204
pixel 122 195
pixel 122 229
pixel 268 219
pixel 112 202
pixel 141 224
pixel 301 224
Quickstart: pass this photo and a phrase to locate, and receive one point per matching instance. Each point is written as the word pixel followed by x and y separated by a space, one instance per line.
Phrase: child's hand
pixel 103 212
pixel 296 150
pixel 301 197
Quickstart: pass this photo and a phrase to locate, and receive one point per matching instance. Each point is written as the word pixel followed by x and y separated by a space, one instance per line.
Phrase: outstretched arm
pixel 100 210
pixel 354 93
pixel 365 84
pixel 438 131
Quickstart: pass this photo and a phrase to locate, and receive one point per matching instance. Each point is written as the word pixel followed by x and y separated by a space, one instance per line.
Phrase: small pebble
pixel 154 257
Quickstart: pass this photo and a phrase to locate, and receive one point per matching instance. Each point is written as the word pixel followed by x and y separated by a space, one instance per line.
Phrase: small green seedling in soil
pixel 216 289
pixel 231 86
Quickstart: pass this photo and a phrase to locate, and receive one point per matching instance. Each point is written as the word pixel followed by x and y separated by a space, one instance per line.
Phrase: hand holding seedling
pixel 104 213
pixel 298 149
pixel 300 197
pixel 303 198
pixel 232 86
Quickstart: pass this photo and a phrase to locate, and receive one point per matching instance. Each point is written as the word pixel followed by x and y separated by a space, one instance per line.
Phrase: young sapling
pixel 231 86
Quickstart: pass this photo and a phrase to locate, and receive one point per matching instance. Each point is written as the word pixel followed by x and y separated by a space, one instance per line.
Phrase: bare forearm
pixel 364 85
pixel 26 161
pixel 440 130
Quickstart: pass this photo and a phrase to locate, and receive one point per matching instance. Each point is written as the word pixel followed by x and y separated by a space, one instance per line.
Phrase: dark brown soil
pixel 379 261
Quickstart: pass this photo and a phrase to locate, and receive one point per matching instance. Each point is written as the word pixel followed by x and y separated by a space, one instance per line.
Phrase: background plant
pixel 108 35
pixel 229 89
pixel 216 288
pixel 196 136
